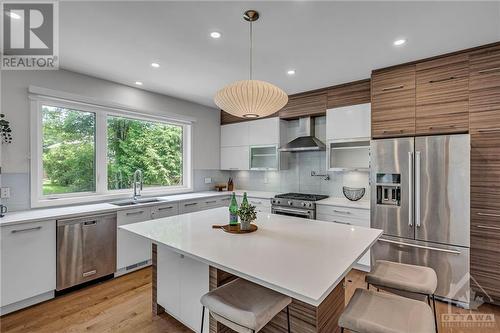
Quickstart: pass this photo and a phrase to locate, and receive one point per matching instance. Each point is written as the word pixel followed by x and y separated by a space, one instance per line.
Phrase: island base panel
pixel 304 318
pixel 157 308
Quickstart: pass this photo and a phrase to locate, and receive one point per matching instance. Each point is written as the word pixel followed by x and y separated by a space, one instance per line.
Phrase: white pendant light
pixel 251 98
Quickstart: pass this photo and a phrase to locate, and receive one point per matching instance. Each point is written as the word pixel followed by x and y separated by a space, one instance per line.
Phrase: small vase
pixel 245 225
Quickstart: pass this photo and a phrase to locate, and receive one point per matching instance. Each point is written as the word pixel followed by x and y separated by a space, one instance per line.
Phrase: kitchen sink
pixel 135 202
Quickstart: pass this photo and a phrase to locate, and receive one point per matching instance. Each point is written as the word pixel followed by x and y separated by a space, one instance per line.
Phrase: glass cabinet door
pixel 264 158
pixel 349 156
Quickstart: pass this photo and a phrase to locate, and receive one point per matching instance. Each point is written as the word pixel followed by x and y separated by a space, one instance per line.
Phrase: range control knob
pixel 290 203
pixel 303 204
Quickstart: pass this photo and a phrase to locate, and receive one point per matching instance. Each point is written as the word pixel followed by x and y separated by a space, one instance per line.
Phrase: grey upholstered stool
pixel 243 306
pixel 372 312
pixel 405 280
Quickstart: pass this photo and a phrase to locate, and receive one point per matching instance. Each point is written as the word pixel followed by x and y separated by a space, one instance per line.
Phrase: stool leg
pixel 341 330
pixel 429 299
pixel 367 286
pixel 435 315
pixel 288 318
pixel 202 318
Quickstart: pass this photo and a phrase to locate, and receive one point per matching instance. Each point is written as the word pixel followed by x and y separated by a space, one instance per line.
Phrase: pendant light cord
pixel 251 48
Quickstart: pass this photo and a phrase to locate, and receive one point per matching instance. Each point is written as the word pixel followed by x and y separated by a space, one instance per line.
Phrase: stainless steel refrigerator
pixel 420 197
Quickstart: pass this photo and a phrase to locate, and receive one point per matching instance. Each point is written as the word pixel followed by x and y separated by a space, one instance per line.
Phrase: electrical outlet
pixel 208 180
pixel 4 192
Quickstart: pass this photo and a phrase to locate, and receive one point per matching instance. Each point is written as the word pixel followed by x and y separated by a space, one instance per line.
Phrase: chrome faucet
pixel 137 189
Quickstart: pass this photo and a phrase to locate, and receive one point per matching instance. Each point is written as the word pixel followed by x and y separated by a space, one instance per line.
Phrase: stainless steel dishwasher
pixel 86 249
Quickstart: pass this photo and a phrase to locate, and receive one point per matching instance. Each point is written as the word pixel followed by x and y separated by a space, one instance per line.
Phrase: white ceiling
pixel 327 43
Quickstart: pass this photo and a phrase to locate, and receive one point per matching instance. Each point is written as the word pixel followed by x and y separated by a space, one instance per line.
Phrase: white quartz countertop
pixel 41 214
pixel 344 202
pixel 302 258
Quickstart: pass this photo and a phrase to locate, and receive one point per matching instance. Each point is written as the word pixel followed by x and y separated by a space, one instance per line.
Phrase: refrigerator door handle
pixel 420 246
pixel 410 188
pixel 417 189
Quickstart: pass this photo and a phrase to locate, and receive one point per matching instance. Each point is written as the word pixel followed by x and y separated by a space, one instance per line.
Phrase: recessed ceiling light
pixel 13 15
pixel 291 72
pixel 139 83
pixel 399 42
pixel 215 34
pixel 155 64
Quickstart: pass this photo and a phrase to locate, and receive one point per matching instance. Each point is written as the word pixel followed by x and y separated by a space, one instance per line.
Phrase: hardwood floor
pixel 124 305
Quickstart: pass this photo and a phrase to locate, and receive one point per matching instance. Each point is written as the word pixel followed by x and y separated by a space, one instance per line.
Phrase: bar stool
pixel 372 312
pixel 405 280
pixel 243 306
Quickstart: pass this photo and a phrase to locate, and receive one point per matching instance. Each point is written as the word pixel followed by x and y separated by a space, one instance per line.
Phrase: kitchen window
pixel 84 153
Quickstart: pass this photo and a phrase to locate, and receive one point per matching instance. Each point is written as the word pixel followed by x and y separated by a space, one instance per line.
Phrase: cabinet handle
pixel 393 88
pixel 487 227
pixel 165 208
pixel 190 204
pixel 488 214
pixel 209 202
pixel 489 70
pixel 135 213
pixel 234 168
pixel 26 230
pixel 347 223
pixel 444 126
pixel 419 246
pixel 393 132
pixel 342 211
pixel 89 273
pixel 256 202
pixel 488 130
pixel 89 223
pixel 442 80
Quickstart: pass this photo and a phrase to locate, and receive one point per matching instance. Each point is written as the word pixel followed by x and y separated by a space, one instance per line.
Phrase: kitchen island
pixel 304 259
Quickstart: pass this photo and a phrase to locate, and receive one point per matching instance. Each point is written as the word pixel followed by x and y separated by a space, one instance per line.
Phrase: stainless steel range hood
pixel 306 141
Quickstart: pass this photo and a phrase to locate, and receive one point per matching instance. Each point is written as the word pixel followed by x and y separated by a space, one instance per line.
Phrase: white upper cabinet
pixel 349 122
pixel 234 135
pixel 264 131
pixel 234 158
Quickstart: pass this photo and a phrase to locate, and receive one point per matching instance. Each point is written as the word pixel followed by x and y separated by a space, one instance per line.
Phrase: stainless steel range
pixel 296 204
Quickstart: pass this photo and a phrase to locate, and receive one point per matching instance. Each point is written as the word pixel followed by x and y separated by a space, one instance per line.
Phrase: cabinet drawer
pixel 484 86
pixel 165 210
pixel 224 201
pixel 190 206
pixel 393 102
pixel 259 202
pixel 485 261
pixel 209 203
pixel 343 212
pixel 28 260
pixel 133 215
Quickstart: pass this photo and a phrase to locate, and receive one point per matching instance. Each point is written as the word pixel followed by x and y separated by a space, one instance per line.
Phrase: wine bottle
pixel 233 211
pixel 244 202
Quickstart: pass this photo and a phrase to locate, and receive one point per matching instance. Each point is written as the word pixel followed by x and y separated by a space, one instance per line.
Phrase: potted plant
pixel 247 215
pixel 5 130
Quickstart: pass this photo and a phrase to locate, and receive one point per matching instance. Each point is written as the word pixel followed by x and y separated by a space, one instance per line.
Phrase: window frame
pixel 101 178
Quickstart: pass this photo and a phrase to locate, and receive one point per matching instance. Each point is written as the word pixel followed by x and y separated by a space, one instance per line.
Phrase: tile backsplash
pixel 297 177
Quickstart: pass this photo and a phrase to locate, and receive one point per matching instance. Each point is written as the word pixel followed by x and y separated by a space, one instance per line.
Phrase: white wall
pixel 15 105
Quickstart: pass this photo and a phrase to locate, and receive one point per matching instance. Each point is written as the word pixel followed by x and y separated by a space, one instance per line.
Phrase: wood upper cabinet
pixel 393 102
pixel 442 95
pixel 313 104
pixel 484 90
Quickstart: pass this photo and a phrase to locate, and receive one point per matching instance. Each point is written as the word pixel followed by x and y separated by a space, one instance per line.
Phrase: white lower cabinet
pixel 131 249
pixel 351 216
pixel 183 282
pixel 164 210
pixel 261 205
pixel 28 261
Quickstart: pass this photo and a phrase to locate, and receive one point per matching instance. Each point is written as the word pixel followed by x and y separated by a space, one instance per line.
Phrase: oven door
pixel 306 213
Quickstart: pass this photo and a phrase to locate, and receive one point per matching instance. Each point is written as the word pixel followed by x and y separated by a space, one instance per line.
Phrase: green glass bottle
pixel 245 200
pixel 233 211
